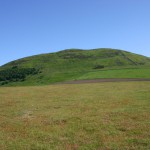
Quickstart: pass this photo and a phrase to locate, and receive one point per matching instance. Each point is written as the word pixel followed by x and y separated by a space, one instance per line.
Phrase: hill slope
pixel 73 64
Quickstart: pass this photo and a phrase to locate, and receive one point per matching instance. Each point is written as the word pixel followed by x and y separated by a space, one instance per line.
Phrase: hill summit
pixel 70 64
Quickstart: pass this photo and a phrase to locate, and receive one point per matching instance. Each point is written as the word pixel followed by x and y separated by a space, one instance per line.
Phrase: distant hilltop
pixel 72 64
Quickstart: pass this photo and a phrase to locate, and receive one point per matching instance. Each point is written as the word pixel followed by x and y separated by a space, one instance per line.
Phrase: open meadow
pixel 93 116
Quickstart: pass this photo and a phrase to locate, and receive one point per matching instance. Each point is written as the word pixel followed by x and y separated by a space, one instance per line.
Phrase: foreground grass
pixel 100 116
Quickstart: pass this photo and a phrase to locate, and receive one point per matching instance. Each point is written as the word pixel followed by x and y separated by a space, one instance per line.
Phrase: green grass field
pixel 117 73
pixel 138 72
pixel 98 116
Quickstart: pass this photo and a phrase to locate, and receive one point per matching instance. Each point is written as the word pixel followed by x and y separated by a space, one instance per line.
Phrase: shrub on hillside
pixel 99 67
pixel 16 74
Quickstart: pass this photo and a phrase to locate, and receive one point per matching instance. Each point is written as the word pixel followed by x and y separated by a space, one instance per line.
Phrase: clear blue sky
pixel 29 27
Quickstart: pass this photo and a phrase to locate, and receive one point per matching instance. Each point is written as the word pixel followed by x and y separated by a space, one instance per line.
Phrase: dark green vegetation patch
pixel 16 74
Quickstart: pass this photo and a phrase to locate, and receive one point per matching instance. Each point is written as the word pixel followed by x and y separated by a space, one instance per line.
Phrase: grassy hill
pixel 74 64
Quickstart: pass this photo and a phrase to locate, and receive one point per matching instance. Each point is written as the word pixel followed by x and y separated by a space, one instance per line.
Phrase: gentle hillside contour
pixel 74 64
